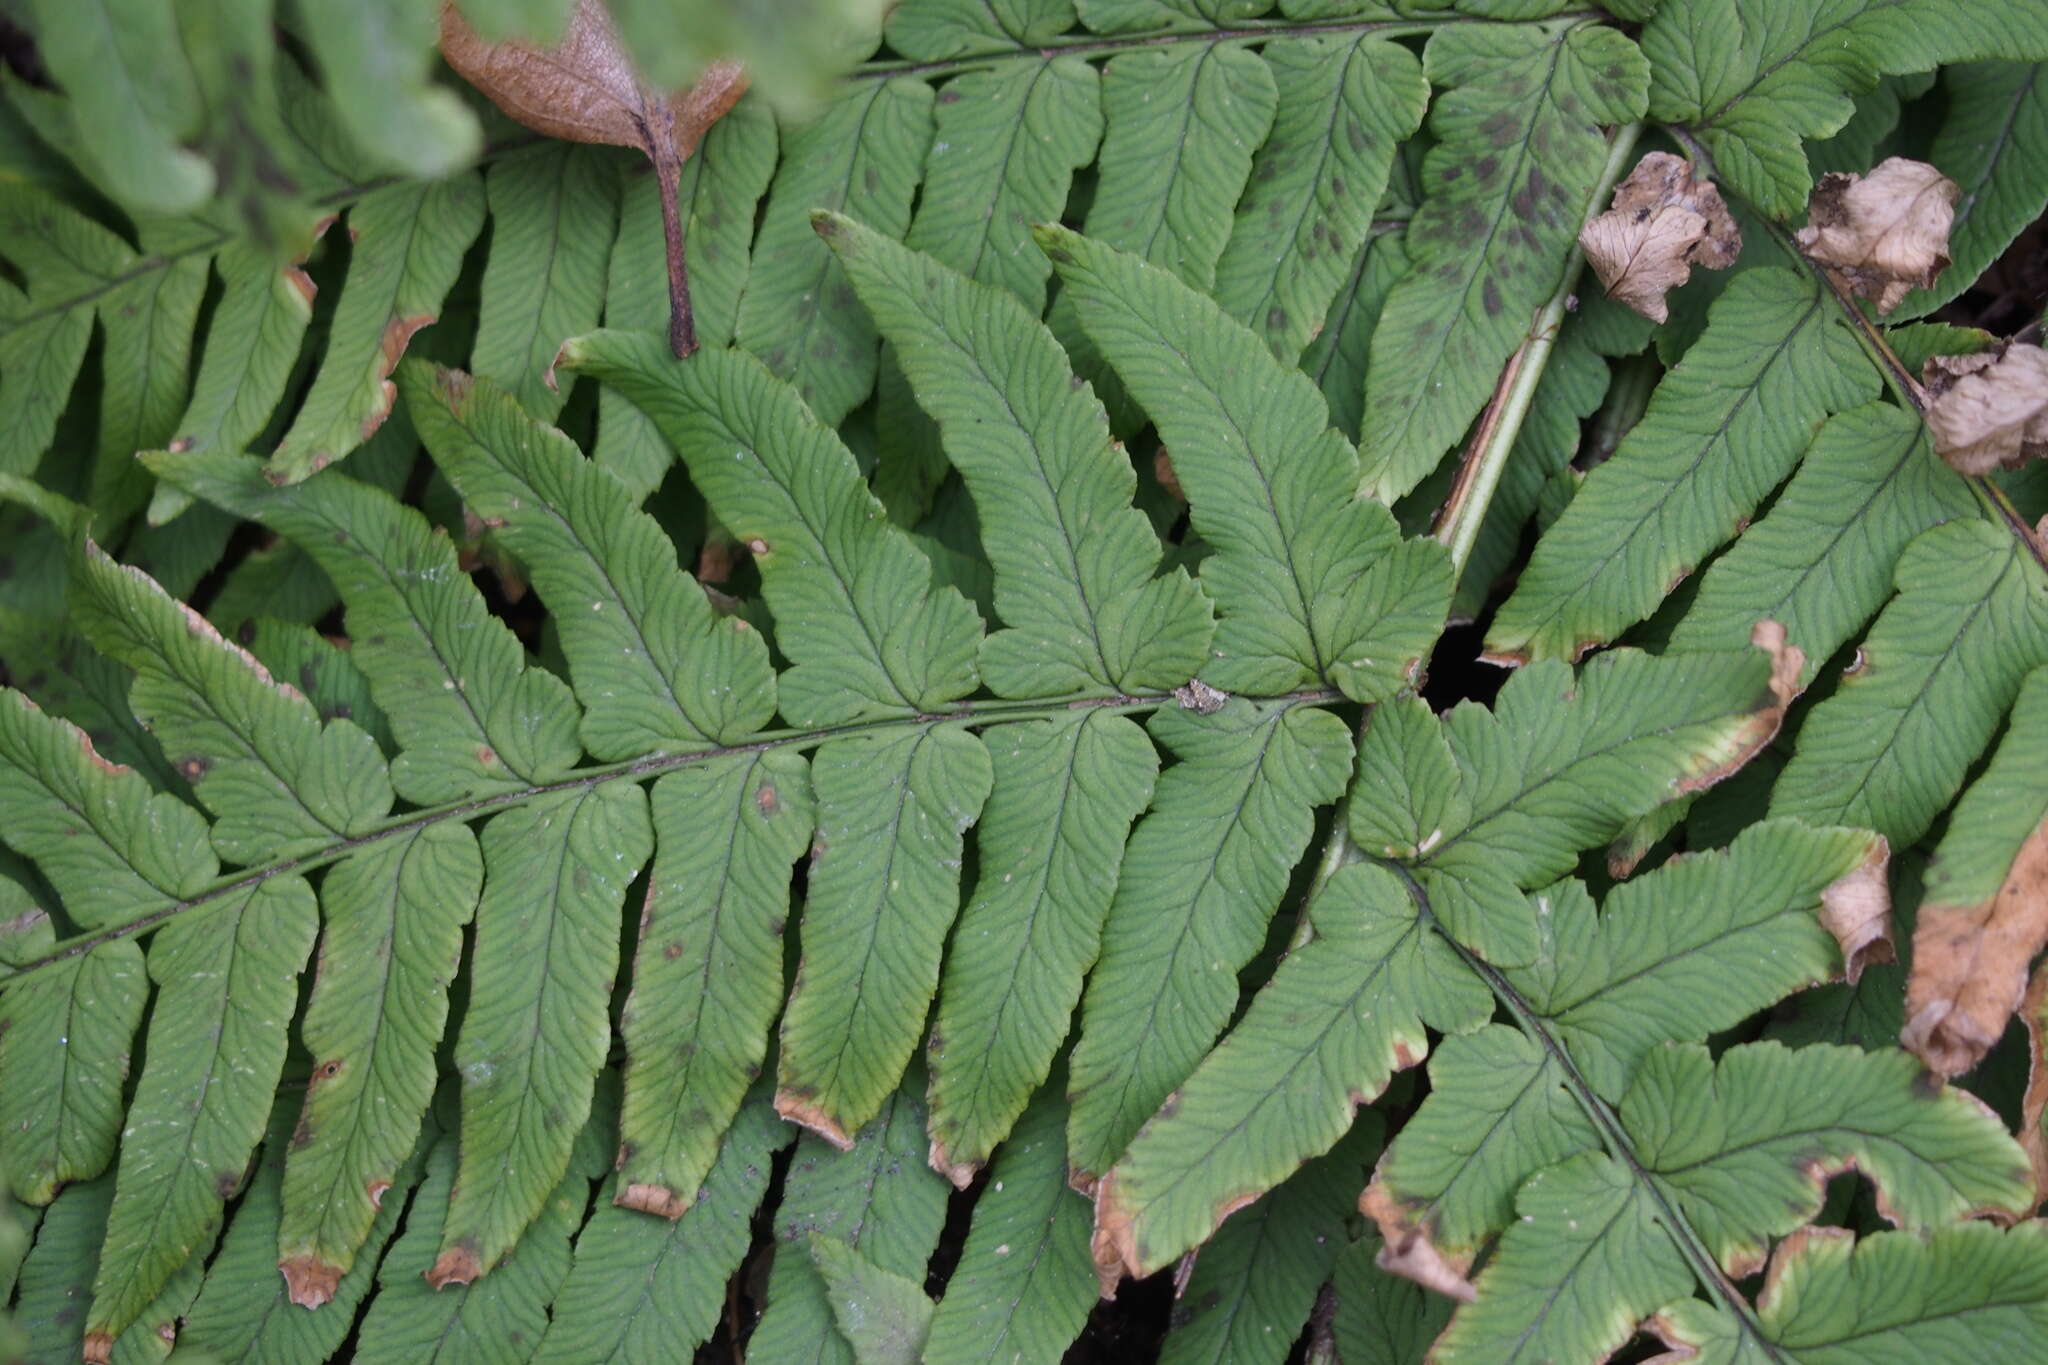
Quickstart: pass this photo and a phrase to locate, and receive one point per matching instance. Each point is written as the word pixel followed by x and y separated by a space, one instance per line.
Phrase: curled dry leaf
pixel 2034 1107
pixel 1663 223
pixel 1988 410
pixel 1408 1251
pixel 585 89
pixel 1970 964
pixel 1885 233
pixel 1857 910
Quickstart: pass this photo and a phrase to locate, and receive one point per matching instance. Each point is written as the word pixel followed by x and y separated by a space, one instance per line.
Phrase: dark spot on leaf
pixel 672 951
pixel 1490 296
pixel 1485 167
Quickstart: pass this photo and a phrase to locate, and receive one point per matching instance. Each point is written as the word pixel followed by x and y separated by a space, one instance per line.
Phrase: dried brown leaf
pixel 1970 964
pixel 1988 410
pixel 1662 224
pixel 1407 1250
pixel 1857 909
pixel 585 89
pixel 803 1111
pixel 1885 233
pixel 2034 1107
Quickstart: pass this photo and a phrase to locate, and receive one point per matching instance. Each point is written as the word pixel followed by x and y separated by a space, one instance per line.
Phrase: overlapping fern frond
pixel 906 791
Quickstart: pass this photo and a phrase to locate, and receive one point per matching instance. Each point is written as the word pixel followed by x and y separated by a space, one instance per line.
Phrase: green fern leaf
pixel 1024 1285
pixel 1336 359
pixel 1180 126
pixel 1992 144
pixel 643 1289
pixel 57 1274
pixel 716 200
pixel 1255 1283
pixel 1749 103
pixel 825 552
pixel 227 984
pixel 501 1317
pixel 137 98
pixel 80 271
pixel 377 57
pixel 1381 1319
pixel 1815 562
pixel 1583 1262
pixel 1938 670
pixel 1311 582
pixel 1605 983
pixel 113 848
pixel 469 716
pixel 883 888
pixel 1340 1016
pixel 553 210
pixel 255 752
pixel 255 333
pixel 1004 152
pixel 877 1197
pixel 61 1036
pixel 654 666
pixel 537 1027
pixel 407 246
pixel 1562 760
pixel 392 923
pixel 1500 1109
pixel 1831 1298
pixel 1744 1145
pixel 707 976
pixel 1490 240
pixel 961 28
pixel 1044 475
pixel 1202 876
pixel 1720 433
pixel 1033 926
pixel 1344 105
pixel 862 157
pixel 243 1310
pixel 883 1316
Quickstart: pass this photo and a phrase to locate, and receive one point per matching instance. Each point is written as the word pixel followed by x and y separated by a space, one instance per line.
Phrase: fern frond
pixel 1517 156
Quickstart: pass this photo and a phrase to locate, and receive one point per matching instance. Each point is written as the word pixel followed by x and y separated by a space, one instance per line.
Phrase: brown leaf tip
pixel 1664 221
pixel 659 1200
pixel 959 1174
pixel 1886 233
pixel 1408 1250
pixel 309 1282
pixel 807 1113
pixel 1990 410
pixel 457 1265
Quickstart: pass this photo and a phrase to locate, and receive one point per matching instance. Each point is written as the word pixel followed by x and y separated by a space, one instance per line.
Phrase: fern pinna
pixel 1016 858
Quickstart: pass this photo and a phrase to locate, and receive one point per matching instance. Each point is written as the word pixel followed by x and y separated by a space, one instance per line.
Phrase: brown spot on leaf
pixel 767 800
pixel 309 1282
pixel 1663 222
pixel 1970 963
pixel 1883 234
pixel 99 1348
pixel 457 1265
pixel 377 1189
pixel 659 1200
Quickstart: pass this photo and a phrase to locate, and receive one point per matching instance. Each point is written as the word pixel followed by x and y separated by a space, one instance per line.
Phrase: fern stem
pixel 1614 1137
pixel 1464 511
pixel 967 714
pixel 1089 45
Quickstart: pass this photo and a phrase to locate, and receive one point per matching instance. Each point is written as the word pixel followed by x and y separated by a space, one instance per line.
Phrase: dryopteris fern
pixel 1029 792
